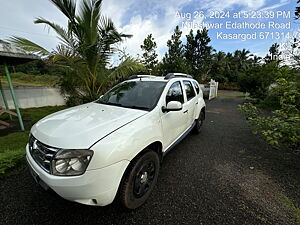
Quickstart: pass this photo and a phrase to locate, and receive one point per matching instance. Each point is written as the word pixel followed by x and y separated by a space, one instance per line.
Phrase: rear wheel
pixel 139 180
pixel 199 123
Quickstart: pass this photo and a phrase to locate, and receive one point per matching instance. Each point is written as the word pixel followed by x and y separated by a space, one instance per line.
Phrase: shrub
pixel 257 80
pixel 283 125
pixel 10 159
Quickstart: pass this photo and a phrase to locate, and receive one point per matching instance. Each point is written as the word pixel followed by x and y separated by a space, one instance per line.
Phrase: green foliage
pixel 272 100
pixel 10 159
pixel 149 57
pixel 37 67
pixel 21 79
pixel 258 79
pixel 173 61
pixel 283 126
pixel 86 47
pixel 12 151
pixel 274 53
pixel 290 204
pixel 198 53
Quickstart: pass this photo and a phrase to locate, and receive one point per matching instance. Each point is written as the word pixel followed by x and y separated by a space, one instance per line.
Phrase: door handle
pixel 185 111
pixel 196 103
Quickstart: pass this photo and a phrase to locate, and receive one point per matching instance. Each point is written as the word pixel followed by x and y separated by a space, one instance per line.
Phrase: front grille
pixel 41 153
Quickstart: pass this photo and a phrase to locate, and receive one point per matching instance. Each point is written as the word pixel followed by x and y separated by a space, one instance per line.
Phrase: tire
pixel 139 180
pixel 199 123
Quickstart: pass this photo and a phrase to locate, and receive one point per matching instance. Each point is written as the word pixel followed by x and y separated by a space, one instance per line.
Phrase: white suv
pixel 114 145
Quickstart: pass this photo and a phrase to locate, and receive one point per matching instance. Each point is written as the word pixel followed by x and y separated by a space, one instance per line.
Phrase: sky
pixel 141 17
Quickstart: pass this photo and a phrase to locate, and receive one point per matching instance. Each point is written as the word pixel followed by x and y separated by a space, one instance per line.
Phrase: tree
pixel 257 80
pixel 198 53
pixel 149 57
pixel 203 52
pixel 173 61
pixel 85 48
pixel 274 53
pixel 297 11
pixel 190 51
pixel 220 67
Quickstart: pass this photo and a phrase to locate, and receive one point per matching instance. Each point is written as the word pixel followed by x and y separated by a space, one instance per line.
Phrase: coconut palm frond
pixel 67 7
pixel 126 68
pixel 89 15
pixel 109 32
pixel 29 46
pixel 63 34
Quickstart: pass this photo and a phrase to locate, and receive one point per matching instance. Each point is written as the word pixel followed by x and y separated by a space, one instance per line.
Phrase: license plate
pixel 38 179
pixel 34 175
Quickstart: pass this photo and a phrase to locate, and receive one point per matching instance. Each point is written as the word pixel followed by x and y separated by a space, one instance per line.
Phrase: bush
pixel 10 159
pixel 257 80
pixel 283 126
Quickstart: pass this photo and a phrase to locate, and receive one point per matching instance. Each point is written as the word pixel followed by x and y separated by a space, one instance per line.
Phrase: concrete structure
pixel 29 97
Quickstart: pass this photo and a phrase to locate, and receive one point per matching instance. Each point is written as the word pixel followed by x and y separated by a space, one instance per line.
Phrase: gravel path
pixel 225 175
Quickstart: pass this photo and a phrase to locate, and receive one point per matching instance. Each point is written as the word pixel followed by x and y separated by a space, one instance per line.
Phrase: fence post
pixel 14 97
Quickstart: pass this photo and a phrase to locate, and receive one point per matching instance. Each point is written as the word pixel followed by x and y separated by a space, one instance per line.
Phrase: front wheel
pixel 139 180
pixel 199 123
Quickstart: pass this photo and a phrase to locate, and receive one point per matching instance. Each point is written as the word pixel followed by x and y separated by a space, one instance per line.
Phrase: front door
pixel 174 122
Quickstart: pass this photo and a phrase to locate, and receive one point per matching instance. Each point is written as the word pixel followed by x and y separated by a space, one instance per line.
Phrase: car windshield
pixel 140 94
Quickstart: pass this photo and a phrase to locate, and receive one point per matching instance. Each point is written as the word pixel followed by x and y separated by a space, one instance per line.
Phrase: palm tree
pixel 85 48
pixel 242 59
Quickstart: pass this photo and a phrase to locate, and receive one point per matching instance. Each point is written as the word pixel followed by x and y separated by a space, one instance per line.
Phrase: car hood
pixel 81 126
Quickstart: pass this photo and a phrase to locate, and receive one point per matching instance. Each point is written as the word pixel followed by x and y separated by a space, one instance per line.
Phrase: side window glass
pixel 175 93
pixel 190 93
pixel 196 87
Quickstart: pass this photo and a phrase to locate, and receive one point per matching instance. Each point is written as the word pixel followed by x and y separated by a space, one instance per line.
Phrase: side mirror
pixel 172 106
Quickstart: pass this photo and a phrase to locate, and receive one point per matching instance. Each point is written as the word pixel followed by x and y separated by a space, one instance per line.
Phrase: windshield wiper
pixel 110 103
pixel 125 106
pixel 136 107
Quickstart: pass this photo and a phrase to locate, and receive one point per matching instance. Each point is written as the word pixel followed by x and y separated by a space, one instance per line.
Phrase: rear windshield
pixel 140 94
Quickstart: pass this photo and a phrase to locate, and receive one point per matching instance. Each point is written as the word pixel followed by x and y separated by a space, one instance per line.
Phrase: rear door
pixel 191 102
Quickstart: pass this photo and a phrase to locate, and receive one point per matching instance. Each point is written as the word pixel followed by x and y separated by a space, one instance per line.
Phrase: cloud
pixel 136 17
pixel 227 4
pixel 16 18
pixel 141 18
pixel 277 5
pixel 158 18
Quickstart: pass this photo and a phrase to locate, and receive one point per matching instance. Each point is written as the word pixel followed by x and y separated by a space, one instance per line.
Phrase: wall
pixel 29 97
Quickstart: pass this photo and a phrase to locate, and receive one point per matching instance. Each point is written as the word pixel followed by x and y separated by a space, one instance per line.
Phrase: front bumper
pixel 94 187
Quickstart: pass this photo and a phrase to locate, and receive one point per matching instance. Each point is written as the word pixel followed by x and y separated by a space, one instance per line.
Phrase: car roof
pixel 158 78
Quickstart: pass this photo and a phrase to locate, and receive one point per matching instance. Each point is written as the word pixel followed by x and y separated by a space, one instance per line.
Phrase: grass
pixel 22 79
pixel 238 95
pixel 12 146
pixel 12 151
pixel 295 210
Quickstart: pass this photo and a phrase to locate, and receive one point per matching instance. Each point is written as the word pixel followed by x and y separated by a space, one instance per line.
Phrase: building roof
pixel 13 55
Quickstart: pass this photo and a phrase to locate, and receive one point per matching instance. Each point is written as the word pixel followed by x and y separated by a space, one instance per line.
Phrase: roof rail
pixel 174 75
pixel 139 76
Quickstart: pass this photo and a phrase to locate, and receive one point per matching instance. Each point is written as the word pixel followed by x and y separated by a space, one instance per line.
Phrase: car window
pixel 196 87
pixel 134 94
pixel 175 93
pixel 190 93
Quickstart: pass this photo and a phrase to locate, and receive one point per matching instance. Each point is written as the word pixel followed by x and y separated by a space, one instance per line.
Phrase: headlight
pixel 71 162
